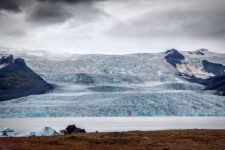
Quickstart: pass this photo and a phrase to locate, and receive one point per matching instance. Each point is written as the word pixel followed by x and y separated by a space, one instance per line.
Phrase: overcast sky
pixel 113 26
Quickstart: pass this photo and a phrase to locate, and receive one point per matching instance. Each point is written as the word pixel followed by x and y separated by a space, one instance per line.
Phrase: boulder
pixel 73 129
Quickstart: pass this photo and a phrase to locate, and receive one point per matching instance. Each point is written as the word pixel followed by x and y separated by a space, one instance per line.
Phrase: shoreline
pixel 115 124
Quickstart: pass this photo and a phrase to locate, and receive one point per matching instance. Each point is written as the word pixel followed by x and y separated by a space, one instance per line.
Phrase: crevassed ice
pixel 143 99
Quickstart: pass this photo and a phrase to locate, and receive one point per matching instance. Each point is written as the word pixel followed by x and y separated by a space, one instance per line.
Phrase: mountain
pixel 210 74
pixel 18 80
pixel 170 66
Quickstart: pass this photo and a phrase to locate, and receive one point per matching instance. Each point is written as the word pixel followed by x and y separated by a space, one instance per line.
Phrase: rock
pixel 6 59
pixel 174 57
pixel 73 129
pixel 216 83
pixel 215 68
pixel 18 80
pixel 63 132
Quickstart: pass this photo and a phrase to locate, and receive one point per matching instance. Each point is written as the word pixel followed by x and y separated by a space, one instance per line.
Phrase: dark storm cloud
pixel 58 11
pixel 69 1
pixel 15 5
pixel 10 5
pixel 50 11
pixel 29 14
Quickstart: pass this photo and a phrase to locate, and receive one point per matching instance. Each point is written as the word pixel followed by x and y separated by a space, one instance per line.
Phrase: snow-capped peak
pixel 201 51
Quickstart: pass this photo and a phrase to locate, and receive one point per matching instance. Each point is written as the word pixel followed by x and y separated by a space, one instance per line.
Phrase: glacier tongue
pixel 145 99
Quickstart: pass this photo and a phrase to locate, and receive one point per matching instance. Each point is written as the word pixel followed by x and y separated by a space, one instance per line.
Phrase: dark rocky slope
pixel 18 80
pixel 216 83
pixel 215 68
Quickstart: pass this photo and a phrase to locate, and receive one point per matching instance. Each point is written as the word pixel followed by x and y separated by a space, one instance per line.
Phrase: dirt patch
pixel 159 140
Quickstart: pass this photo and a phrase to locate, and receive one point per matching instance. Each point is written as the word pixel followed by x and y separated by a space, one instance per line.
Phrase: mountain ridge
pixel 171 65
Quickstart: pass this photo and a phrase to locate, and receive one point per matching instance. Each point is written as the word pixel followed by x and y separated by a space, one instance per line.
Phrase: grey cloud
pixel 12 25
pixel 195 19
pixel 16 32
pixel 49 14
pixel 113 24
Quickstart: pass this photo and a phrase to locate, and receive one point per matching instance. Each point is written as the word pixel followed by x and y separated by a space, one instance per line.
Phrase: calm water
pixel 108 124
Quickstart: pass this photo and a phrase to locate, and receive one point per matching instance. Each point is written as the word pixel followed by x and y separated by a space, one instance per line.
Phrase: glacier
pixel 146 99
pixel 120 85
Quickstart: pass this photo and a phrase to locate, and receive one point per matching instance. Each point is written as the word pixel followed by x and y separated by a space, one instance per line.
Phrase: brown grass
pixel 159 140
